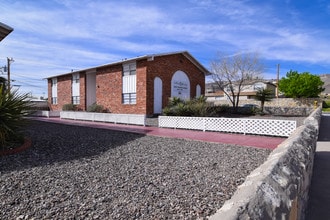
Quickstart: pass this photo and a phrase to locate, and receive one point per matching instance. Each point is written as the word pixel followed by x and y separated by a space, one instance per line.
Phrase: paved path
pixel 319 198
pixel 216 137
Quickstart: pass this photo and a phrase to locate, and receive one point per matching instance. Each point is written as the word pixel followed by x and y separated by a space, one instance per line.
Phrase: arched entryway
pixel 180 85
pixel 158 94
pixel 198 91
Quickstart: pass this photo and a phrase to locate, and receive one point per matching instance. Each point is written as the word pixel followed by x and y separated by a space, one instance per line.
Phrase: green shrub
pixel 69 107
pixel 13 109
pixel 95 108
pixel 174 101
pixel 218 110
pixel 326 104
pixel 197 107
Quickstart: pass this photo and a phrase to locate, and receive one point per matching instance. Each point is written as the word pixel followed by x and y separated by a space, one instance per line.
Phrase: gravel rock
pixel 73 172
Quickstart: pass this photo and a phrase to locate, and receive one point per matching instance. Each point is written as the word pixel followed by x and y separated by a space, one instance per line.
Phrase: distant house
pixel 213 92
pixel 140 85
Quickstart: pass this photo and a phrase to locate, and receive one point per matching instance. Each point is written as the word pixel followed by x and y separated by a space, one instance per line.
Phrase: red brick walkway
pixel 214 137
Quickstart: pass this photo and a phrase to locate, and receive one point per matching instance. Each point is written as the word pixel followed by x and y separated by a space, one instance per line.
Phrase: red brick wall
pixel 109 90
pixel 108 87
pixel 64 92
pixel 164 67
pixel 109 84
pixel 49 84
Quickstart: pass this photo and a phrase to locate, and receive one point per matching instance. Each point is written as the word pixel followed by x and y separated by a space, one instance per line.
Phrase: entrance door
pixel 158 94
pixel 90 89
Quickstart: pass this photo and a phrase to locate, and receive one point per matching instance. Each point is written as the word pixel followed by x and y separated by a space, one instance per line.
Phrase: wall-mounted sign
pixel 180 85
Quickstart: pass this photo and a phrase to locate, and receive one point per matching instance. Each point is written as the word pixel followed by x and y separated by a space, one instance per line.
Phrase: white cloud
pixel 52 37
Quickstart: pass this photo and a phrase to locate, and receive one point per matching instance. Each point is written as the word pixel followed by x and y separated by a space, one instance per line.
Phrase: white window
pixel 54 91
pixel 75 89
pixel 75 100
pixel 259 85
pixel 129 83
pixel 129 98
pixel 75 77
pixel 129 69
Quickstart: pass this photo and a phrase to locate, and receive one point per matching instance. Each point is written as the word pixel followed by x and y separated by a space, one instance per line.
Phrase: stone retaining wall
pixel 288 111
pixel 278 189
pixel 276 102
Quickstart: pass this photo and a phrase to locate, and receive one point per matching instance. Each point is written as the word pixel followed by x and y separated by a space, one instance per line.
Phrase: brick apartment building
pixel 140 85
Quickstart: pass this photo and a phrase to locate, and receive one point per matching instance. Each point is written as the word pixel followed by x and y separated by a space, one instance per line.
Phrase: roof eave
pixel 4 31
pixel 185 53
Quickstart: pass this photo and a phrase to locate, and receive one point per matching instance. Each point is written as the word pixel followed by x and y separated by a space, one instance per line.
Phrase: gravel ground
pixel 73 172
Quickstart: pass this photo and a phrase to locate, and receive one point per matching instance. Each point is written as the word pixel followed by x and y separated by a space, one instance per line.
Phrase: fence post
pixel 244 126
pixel 204 124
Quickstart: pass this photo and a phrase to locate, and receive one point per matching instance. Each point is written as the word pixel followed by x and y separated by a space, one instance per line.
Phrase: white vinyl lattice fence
pixel 135 119
pixel 270 127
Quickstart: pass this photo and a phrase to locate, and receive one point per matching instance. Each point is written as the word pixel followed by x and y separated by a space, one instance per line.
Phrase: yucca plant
pixel 13 109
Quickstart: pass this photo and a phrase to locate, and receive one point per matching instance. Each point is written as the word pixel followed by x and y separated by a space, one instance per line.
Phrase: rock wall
pixel 276 102
pixel 278 189
pixel 288 111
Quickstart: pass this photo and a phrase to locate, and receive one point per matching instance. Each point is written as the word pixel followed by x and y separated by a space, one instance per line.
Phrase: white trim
pixel 135 119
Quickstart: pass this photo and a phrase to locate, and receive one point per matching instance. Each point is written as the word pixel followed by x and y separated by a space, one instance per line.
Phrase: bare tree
pixel 233 73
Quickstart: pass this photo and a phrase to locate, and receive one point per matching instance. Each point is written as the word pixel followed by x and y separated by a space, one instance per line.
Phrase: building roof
pixel 247 82
pixel 4 30
pixel 221 93
pixel 149 57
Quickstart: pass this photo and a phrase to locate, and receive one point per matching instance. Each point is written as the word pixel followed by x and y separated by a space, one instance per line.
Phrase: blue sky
pixel 52 37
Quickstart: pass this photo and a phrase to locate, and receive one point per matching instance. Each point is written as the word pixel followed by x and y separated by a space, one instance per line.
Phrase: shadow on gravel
pixel 54 143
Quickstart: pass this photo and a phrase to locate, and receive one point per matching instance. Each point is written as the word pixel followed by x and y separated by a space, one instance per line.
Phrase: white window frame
pixel 129 83
pixel 75 88
pixel 54 91
pixel 76 100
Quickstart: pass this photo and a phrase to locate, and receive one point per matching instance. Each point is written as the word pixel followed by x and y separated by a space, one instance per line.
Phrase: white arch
pixel 180 85
pixel 158 94
pixel 198 91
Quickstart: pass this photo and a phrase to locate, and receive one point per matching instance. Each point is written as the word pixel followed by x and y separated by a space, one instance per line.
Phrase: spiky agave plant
pixel 13 109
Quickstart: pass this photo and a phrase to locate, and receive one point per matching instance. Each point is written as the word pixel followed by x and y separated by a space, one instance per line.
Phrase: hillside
pixel 326 79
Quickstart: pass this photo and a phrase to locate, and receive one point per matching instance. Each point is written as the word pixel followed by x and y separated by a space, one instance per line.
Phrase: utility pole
pixel 9 60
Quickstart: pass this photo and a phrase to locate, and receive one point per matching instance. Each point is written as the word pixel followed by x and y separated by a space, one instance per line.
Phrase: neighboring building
pixel 249 90
pixel 4 31
pixel 141 85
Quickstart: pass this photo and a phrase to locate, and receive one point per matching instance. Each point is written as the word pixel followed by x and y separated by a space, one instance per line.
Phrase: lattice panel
pixel 105 117
pixel 270 127
pixel 190 123
pixel 234 125
pixel 167 122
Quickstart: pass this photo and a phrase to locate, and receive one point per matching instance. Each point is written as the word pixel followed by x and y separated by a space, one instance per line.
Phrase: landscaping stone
pixel 73 172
